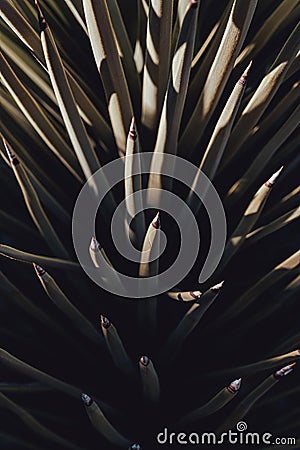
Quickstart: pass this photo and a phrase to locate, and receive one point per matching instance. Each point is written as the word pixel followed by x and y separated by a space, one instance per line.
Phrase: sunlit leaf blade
pixel 221 133
pixel 21 27
pixel 266 31
pixel 76 14
pixel 264 157
pixel 263 95
pixel 34 206
pixel 200 71
pixel 188 323
pixel 181 10
pixel 289 201
pixel 126 54
pixel 235 33
pixel 26 33
pixel 45 261
pixel 294 67
pixel 23 60
pixel 171 115
pixel 37 118
pixel 138 54
pixel 265 127
pixel 133 183
pixel 188 296
pixel 157 61
pixel 110 68
pixel 149 267
pixel 77 133
pixel 247 222
pixel 202 50
pixel 44 194
pixel 214 151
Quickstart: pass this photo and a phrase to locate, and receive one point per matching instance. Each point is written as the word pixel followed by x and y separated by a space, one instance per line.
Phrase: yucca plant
pixel 84 83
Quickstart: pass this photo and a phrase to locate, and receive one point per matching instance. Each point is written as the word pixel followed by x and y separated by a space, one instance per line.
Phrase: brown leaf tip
pixel 11 156
pixel 243 80
pixel 94 245
pixel 105 322
pixel 284 371
pixel 42 21
pixel 195 294
pixel 193 4
pixel 39 270
pixel 217 287
pixel 270 183
pixel 132 130
pixel 234 386
pixel 156 221
pixel 145 360
pixel 87 400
